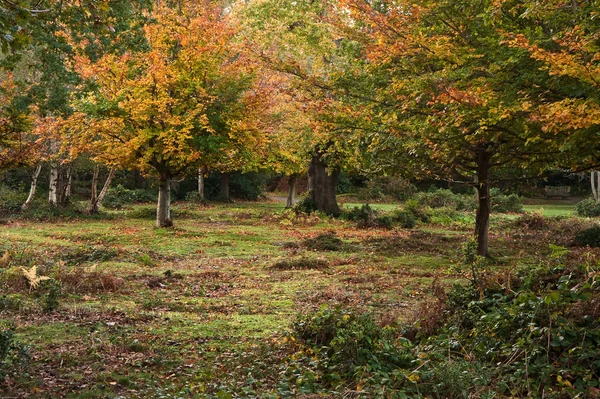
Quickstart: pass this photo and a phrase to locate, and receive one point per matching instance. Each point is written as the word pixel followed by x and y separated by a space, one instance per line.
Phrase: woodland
pixel 299 198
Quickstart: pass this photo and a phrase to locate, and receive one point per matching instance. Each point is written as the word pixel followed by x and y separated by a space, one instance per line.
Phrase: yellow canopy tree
pixel 177 105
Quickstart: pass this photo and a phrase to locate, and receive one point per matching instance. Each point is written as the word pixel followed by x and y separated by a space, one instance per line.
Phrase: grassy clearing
pixel 147 312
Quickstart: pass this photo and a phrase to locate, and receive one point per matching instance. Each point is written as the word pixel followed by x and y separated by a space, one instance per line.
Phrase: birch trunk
pixel 53 185
pixel 97 201
pixel 33 188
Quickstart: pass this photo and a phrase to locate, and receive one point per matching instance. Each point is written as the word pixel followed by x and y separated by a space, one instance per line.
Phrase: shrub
pixel 405 219
pixel 588 237
pixel 194 196
pixel 10 200
pixel 307 205
pixel 506 203
pixel 13 354
pixel 419 211
pixel 119 196
pixel 588 208
pixel 363 216
pixel 324 242
pixel 441 198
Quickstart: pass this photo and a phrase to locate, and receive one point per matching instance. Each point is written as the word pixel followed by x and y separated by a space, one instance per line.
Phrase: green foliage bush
pixel 588 237
pixel 443 198
pixel 505 203
pixel 532 333
pixel 13 354
pixel 10 200
pixel 118 196
pixel 405 219
pixel 194 196
pixel 588 208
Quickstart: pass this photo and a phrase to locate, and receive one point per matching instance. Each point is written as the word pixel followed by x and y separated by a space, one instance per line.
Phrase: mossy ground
pixel 200 309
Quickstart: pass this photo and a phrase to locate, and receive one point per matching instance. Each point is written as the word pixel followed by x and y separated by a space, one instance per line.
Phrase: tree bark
pixel 96 201
pixel 482 218
pixel 201 192
pixel 292 191
pixel 324 185
pixel 163 210
pixel 94 196
pixel 595 180
pixel 65 192
pixel 224 187
pixel 33 188
pixel 53 185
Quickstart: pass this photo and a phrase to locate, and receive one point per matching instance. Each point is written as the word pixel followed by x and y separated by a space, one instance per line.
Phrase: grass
pixel 552 209
pixel 170 312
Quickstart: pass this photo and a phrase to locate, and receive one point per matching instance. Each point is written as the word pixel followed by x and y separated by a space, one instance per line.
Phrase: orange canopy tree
pixel 177 105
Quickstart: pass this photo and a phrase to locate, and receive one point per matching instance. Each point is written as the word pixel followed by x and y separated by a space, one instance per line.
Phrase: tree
pixel 436 78
pixel 178 105
pixel 16 123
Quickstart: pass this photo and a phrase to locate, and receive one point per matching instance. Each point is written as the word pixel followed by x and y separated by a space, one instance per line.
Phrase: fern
pixel 32 277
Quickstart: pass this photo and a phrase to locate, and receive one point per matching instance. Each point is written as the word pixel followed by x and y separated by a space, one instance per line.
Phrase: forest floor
pixel 202 309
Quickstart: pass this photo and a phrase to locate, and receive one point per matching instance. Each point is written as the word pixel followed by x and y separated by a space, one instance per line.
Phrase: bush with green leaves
pixel 367 217
pixel 441 198
pixel 589 207
pixel 118 196
pixel 13 354
pixel 533 333
pixel 10 200
pixel 502 203
pixel 405 219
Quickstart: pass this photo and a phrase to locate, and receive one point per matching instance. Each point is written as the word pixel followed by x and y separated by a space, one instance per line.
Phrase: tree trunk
pixel 224 189
pixel 53 197
pixel 324 186
pixel 94 196
pixel 292 192
pixel 201 192
pixel 482 218
pixel 65 196
pixel 595 180
pixel 34 178
pixel 97 201
pixel 163 210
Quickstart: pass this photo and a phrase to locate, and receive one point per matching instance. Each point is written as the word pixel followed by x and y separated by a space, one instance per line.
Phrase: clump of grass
pixel 324 242
pixel 302 263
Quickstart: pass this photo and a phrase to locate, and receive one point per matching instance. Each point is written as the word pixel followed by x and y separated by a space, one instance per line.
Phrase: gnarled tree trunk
pixel 163 209
pixel 323 185
pixel 33 188
pixel 482 218
pixel 291 192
